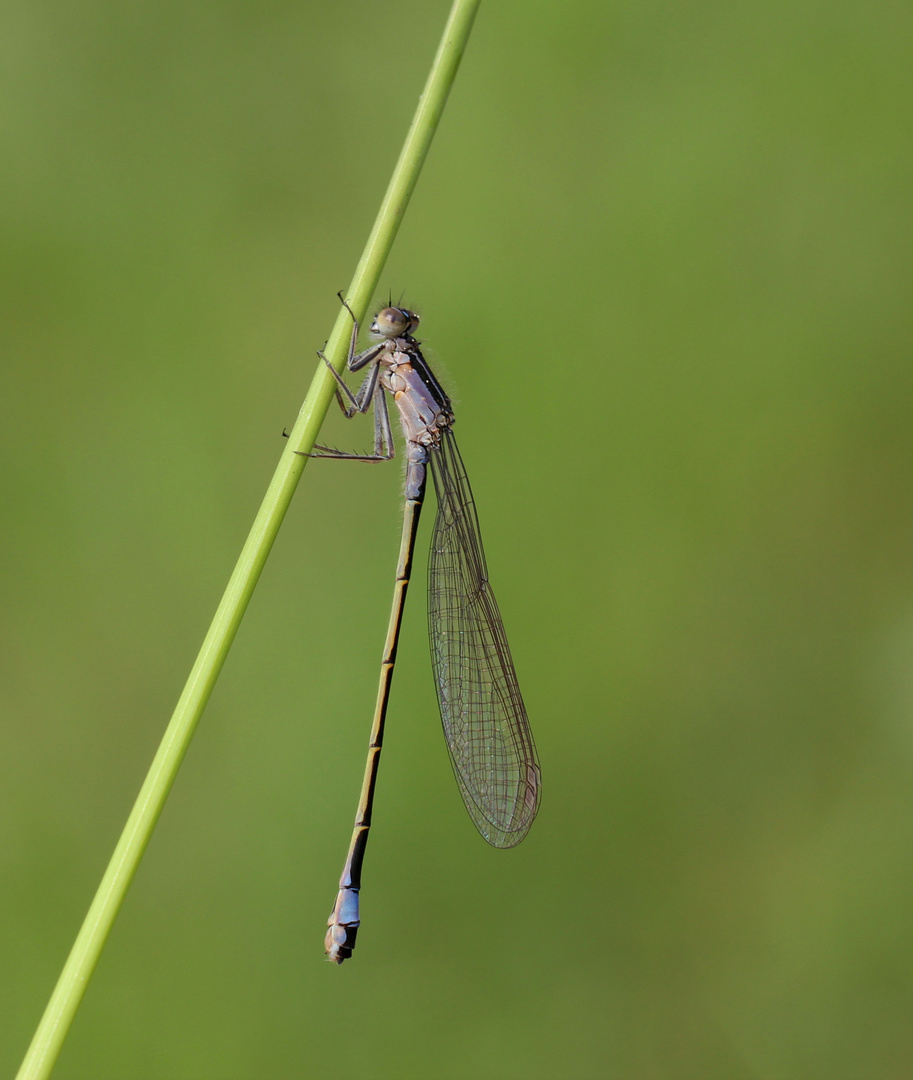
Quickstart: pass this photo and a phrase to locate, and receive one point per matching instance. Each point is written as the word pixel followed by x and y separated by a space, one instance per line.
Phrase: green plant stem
pixel 74 978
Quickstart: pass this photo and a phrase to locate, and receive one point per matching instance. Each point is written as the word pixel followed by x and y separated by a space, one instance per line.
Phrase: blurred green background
pixel 663 257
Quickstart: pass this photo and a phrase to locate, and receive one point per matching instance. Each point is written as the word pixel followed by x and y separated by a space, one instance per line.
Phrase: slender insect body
pixel 482 712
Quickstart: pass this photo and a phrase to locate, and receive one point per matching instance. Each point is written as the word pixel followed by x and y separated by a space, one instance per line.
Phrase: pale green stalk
pixel 54 1025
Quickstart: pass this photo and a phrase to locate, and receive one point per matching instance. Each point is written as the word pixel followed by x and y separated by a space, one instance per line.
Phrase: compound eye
pixel 394 322
pixel 390 322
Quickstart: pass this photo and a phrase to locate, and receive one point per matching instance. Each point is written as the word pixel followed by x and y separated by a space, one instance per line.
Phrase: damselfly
pixel 485 725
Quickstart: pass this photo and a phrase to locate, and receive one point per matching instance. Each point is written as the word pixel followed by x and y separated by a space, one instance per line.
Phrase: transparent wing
pixel 485 724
